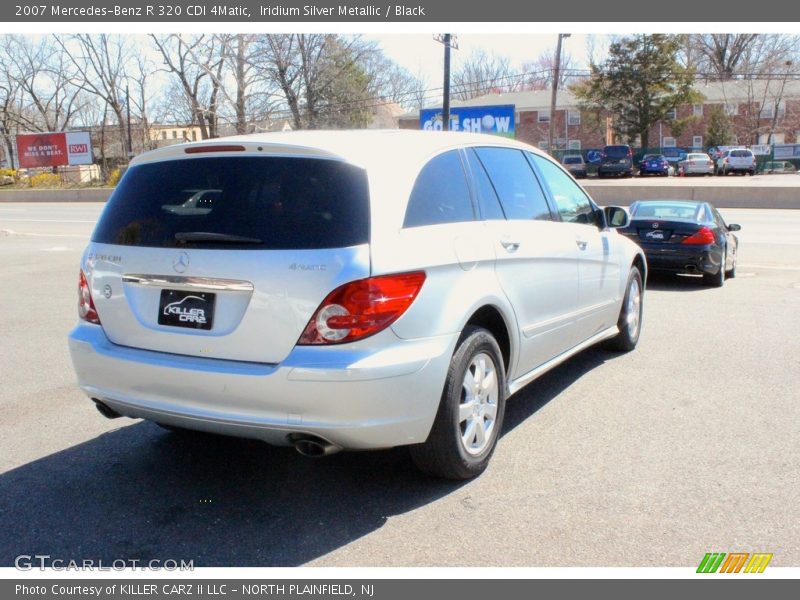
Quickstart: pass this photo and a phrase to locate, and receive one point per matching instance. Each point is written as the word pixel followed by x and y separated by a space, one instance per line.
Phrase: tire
pixel 630 315
pixel 455 448
pixel 716 279
pixel 732 273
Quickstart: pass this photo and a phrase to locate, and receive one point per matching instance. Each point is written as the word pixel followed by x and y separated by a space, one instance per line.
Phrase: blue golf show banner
pixel 497 119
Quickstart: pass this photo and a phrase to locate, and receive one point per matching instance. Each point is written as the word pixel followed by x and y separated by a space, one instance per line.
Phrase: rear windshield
pixel 665 210
pixel 238 202
pixel 572 160
pixel 741 153
pixel 617 151
pixel 697 156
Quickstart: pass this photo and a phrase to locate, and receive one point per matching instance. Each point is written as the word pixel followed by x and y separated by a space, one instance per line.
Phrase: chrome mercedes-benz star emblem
pixel 181 262
pixel 655 226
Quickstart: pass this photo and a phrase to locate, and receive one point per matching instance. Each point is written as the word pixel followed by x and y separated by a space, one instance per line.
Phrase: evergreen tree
pixel 640 82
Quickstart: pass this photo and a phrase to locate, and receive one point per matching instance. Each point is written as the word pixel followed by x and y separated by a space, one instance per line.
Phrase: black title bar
pixel 360 11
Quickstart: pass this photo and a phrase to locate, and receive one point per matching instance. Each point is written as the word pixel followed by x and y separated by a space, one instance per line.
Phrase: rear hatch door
pixel 227 256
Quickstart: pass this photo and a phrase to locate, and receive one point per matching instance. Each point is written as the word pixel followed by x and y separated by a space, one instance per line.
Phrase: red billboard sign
pixel 42 150
pixel 54 149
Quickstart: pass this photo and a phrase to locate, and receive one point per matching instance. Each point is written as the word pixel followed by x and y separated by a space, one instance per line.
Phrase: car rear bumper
pixel 699 260
pixel 356 399
pixel 689 170
pixel 614 169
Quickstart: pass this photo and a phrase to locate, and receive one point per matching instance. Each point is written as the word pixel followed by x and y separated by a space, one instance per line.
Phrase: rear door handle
pixel 509 245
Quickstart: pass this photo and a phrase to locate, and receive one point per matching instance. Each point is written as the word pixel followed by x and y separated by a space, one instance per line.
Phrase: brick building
pixel 760 112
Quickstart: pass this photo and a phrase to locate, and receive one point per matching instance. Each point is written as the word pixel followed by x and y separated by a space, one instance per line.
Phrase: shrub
pixel 41 180
pixel 113 179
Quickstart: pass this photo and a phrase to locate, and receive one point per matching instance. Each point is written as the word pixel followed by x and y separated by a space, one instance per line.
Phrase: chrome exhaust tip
pixel 314 447
pixel 105 410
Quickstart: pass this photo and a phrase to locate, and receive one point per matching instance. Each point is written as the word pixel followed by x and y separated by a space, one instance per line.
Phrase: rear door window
pixel 484 190
pixel 517 187
pixel 440 193
pixel 238 202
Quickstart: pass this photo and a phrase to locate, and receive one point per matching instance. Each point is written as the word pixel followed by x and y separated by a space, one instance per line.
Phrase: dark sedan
pixel 654 164
pixel 685 237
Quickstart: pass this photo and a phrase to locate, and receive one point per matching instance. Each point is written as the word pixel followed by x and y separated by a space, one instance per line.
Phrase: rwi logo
pixel 78 148
pixel 713 562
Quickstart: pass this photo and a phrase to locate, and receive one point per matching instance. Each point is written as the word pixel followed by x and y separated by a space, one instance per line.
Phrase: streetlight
pixel 556 76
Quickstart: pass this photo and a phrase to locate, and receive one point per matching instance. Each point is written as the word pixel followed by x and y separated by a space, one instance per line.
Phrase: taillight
pixel 362 308
pixel 702 236
pixel 86 309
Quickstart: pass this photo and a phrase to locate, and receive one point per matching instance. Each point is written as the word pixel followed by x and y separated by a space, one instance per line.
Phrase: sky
pixel 422 55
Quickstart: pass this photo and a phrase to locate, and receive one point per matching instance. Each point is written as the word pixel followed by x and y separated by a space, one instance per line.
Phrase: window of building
pixel 174 135
pixel 574 117
pixel 731 109
pixel 767 111
pixel 544 145
pixel 194 135
pixel 781 109
pixel 574 145
pixel 543 116
pixel 672 114
pixel 697 141
pixel 440 194
pixel 697 110
pixel 774 138
pixel 163 135
pixel 668 142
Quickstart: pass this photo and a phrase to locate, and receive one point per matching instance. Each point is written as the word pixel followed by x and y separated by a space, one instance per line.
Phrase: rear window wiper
pixel 209 236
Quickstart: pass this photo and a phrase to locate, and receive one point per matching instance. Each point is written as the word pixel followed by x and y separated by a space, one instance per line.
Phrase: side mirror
pixel 734 227
pixel 616 217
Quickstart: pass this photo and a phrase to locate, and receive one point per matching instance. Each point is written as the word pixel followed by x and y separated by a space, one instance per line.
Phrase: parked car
pixel 616 160
pixel 575 164
pixel 674 156
pixel 736 160
pixel 779 166
pixel 654 164
pixel 696 163
pixel 348 290
pixel 685 237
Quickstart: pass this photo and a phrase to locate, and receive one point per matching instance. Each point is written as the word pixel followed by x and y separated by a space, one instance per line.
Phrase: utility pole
pixel 449 42
pixel 556 77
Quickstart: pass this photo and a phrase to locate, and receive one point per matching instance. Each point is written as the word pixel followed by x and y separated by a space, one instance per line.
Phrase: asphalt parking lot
pixel 689 444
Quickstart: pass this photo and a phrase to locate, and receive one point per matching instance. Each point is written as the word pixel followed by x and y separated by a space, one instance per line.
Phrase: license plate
pixel 178 308
pixel 655 235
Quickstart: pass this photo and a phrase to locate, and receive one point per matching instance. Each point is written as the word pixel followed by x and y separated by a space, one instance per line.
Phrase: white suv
pixel 737 160
pixel 347 290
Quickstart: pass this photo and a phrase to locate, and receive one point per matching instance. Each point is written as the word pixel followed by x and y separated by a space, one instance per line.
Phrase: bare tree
pixel 49 98
pixel 320 78
pixel 721 56
pixel 196 62
pixel 101 62
pixel 538 74
pixel 482 73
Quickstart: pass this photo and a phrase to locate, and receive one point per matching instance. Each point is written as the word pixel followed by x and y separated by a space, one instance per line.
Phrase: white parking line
pixel 67 235
pixel 47 221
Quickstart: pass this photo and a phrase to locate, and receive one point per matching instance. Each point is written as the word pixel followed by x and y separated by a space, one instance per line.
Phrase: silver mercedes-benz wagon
pixel 347 290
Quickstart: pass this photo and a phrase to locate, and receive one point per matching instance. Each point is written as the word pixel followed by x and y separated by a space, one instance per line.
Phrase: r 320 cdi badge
pixel 348 290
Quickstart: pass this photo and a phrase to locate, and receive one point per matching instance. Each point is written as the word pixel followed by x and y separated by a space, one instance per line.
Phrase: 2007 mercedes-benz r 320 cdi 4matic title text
pixel 347 290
